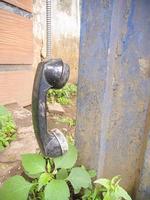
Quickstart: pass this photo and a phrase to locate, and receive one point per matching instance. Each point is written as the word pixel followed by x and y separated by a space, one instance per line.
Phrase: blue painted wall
pixel 114 91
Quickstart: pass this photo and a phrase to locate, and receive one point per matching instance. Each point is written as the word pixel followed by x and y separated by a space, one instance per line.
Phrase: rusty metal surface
pixel 114 89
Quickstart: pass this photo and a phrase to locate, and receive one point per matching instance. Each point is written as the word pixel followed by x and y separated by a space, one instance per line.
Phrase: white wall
pixel 65 31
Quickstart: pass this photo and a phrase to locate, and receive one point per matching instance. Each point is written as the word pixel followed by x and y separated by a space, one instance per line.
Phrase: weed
pixel 67 120
pixel 60 179
pixel 7 128
pixel 62 96
pixel 106 189
pixel 55 179
pixel 70 138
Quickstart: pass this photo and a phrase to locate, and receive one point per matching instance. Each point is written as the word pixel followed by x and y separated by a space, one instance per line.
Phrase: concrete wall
pixel 65 32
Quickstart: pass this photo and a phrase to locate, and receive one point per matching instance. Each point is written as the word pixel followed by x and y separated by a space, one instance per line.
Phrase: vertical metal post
pixel 114 91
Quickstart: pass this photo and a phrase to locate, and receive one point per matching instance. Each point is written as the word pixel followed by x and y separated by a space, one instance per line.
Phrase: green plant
pixel 59 179
pixel 50 179
pixel 70 138
pixel 63 95
pixel 7 128
pixel 106 190
pixel 67 120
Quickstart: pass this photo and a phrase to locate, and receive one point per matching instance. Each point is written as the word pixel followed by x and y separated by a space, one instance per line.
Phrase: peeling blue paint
pixel 114 91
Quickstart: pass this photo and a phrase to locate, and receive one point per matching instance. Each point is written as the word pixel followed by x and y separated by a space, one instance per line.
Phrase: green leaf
pixel 16 188
pixel 120 192
pixel 7 127
pixel 62 174
pixel 104 182
pixel 115 182
pixel 57 190
pixel 33 163
pixel 43 180
pixel 67 160
pixel 1 146
pixel 92 173
pixel 87 193
pixel 3 111
pixel 115 179
pixel 79 178
pixel 107 196
pixel 77 190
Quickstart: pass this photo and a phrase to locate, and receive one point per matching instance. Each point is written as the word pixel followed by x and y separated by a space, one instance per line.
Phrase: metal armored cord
pixel 48 24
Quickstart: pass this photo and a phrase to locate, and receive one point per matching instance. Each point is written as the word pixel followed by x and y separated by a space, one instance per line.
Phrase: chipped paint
pixel 114 91
pixel 145 67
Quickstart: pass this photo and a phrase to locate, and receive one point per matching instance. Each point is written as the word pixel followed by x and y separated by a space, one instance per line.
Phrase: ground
pixel 26 142
pixel 70 112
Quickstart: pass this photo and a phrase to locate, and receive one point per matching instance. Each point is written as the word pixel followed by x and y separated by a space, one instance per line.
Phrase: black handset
pixel 50 74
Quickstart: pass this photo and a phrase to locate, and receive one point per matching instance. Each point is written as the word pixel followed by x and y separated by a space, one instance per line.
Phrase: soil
pixel 70 111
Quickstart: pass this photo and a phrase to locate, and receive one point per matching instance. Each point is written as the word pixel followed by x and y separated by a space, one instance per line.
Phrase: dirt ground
pixel 70 111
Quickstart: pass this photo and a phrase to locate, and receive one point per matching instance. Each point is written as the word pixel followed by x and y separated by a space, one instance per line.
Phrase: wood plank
pixel 15 39
pixel 24 4
pixel 16 87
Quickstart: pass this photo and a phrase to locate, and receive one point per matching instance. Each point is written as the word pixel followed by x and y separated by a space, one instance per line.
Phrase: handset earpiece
pixel 56 73
pixel 51 74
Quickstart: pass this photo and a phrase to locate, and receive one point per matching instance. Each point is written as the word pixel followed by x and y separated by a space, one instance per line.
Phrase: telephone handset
pixel 50 74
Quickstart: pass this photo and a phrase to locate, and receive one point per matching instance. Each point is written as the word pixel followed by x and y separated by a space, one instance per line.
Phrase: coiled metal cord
pixel 48 23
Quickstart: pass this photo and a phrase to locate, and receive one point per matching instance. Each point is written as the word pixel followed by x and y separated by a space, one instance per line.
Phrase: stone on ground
pixel 55 108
